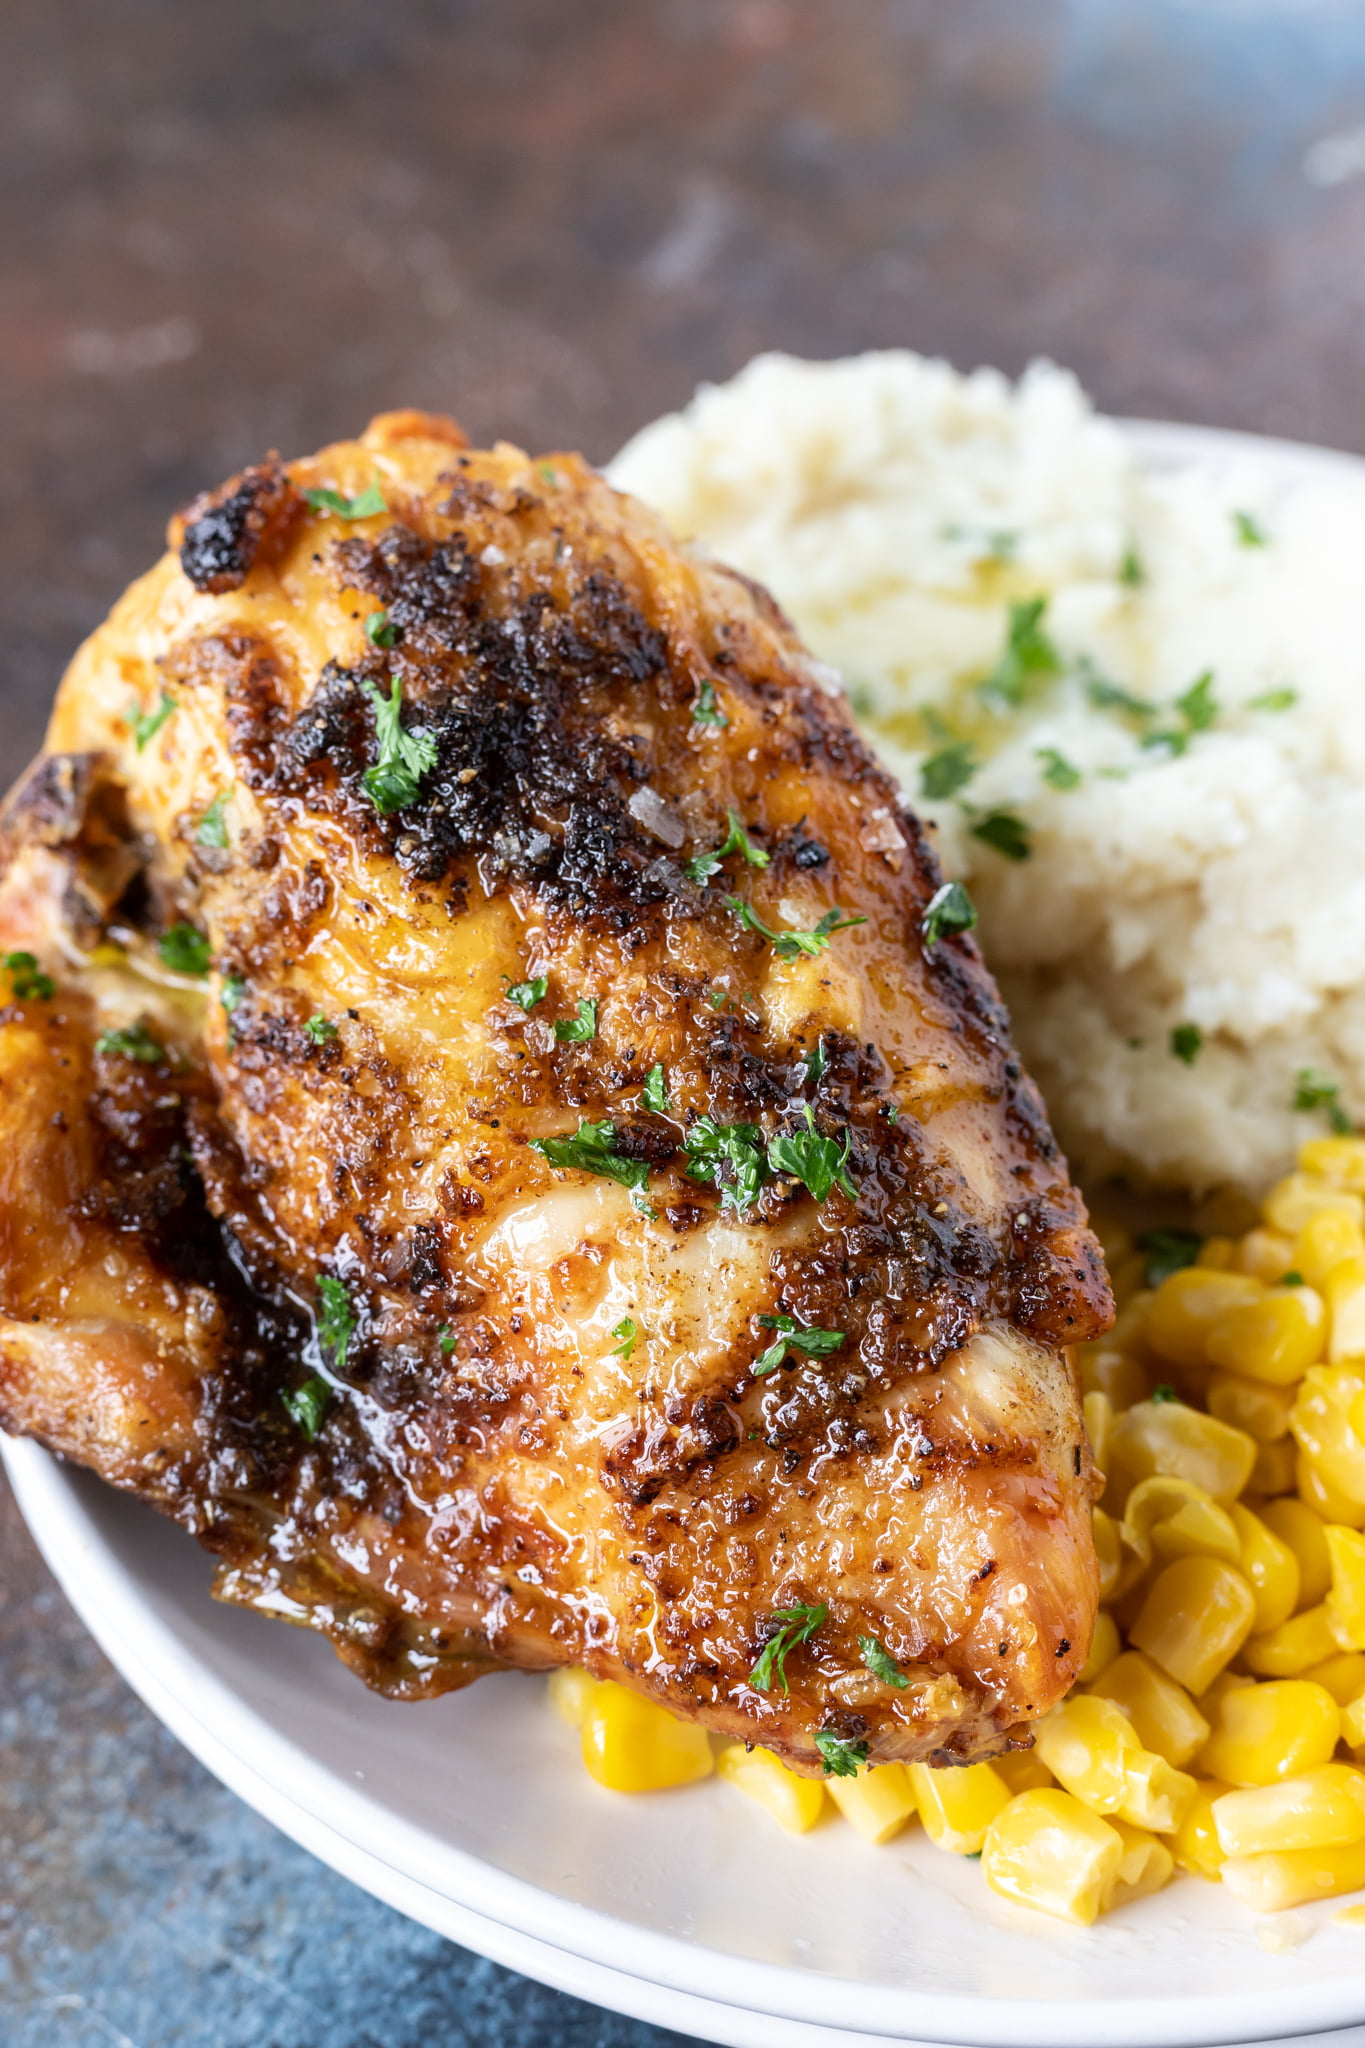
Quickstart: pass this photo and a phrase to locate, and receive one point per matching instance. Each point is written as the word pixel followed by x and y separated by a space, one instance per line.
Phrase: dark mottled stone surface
pixel 226 229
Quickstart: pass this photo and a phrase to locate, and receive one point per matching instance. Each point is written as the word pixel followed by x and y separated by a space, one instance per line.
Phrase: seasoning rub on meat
pixel 505 1135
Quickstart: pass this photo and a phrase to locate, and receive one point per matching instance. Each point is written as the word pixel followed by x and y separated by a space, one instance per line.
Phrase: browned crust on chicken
pixel 351 1095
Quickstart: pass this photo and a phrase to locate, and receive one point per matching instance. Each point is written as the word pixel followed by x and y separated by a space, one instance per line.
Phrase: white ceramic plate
pixel 474 1815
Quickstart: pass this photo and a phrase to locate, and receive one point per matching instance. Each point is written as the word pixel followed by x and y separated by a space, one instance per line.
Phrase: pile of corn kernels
pixel 1219 1724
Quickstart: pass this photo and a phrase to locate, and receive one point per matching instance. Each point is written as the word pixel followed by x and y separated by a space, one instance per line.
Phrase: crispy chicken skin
pixel 302 1191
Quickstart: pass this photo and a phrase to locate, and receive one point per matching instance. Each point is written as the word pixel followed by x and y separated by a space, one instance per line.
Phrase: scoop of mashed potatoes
pixel 1129 690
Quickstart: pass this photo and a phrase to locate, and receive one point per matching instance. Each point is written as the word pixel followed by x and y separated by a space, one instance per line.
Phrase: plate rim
pixel 575 1947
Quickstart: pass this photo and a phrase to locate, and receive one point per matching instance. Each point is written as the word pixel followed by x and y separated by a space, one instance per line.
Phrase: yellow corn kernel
pixel 1319 1809
pixel 1303 1531
pixel 1250 1405
pixel 1269 1566
pixel 1048 1850
pixel 1289 1650
pixel 1325 1499
pixel 1325 1241
pixel 632 1745
pixel 1023 1770
pixel 1109 1552
pixel 1343 1675
pixel 1227 1681
pixel 1218 1254
pixel 1091 1747
pixel 569 1689
pixel 1349 1916
pixel 1346 1601
pixel 1344 1288
pixel 1187 1305
pixel 1169 1440
pixel 1107 1370
pixel 1164 1717
pixel 1334 1470
pixel 1155 1794
pixel 1274 1338
pixel 1275 1470
pixel 1353 1724
pixel 1099 1413
pixel 1338 1160
pixel 877 1803
pixel 1105 1645
pixel 1147 1864
pixel 1266 1732
pixel 958 1805
pixel 1298 1196
pixel 795 1803
pixel 1085 1742
pixel 1195 1619
pixel 1269 1883
pixel 1266 1255
pixel 1169 1518
pixel 1195 1844
pixel 1355 1414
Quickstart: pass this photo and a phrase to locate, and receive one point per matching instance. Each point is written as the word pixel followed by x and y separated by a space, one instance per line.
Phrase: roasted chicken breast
pixel 504 1135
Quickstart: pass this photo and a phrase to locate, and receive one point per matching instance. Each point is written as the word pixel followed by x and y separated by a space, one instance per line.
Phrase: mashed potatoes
pixel 1131 697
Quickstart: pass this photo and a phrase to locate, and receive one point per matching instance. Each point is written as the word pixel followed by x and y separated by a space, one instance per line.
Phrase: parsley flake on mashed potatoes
pixel 1132 699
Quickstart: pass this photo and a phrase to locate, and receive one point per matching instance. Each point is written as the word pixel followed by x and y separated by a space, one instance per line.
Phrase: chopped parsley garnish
pixel 404 757
pixel 792 1337
pixel 212 827
pixel 336 1320
pixel 626 1331
pixel 717 998
pixel 792 945
pixel 370 501
pixel 185 951
pixel 1107 696
pixel 948 771
pixel 526 994
pixel 28 979
pixel 446 1338
pixel 706 710
pixel 380 630
pixel 548 475
pixel 813 1160
pixel 881 1663
pixel 320 1029
pixel 308 1404
pixel 147 724
pixel 580 1029
pixel 591 1149
pixel 656 1092
pixel 816 1062
pixel 1320 1091
pixel 1057 770
pixel 730 1157
pixel 1274 700
pixel 798 1626
pixel 1186 1041
pixel 1291 1279
pixel 135 1042
pixel 737 841
pixel 234 988
pixel 1008 835
pixel 1197 710
pixel 949 910
pixel 1249 530
pixel 839 1754
pixel 1131 570
pixel 1164 1392
pixel 1028 653
pixel 1168 1251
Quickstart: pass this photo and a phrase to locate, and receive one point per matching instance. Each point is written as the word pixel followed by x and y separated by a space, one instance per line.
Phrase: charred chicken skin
pixel 503 1136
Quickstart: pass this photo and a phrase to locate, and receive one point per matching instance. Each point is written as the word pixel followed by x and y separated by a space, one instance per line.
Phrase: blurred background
pixel 227 229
